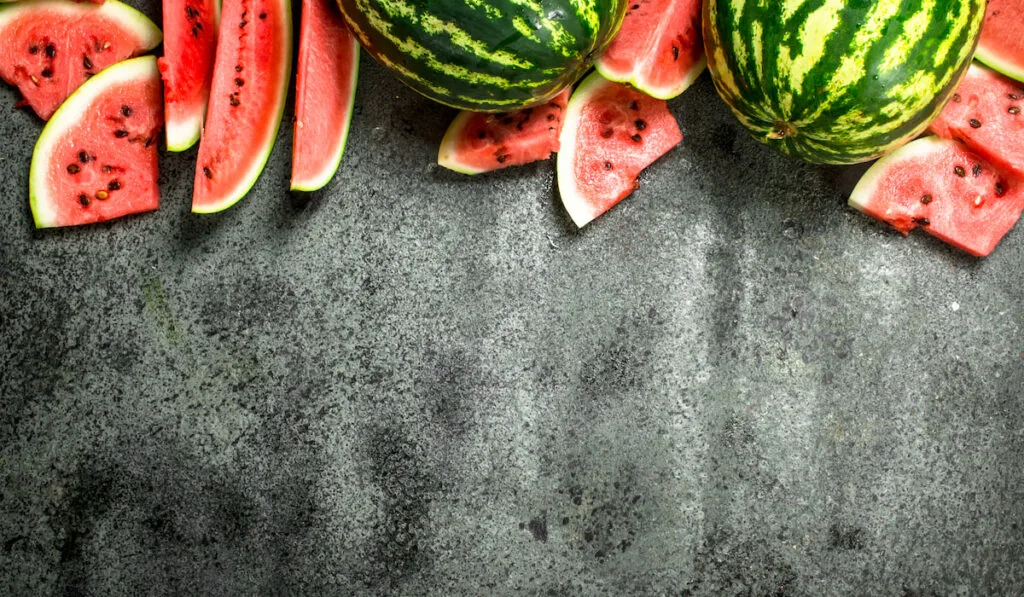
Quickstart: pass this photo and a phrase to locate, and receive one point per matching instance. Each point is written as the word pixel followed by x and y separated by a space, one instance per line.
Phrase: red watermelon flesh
pixel 250 81
pixel 985 113
pixel 190 44
pixel 612 132
pixel 476 142
pixel 939 185
pixel 96 159
pixel 1001 45
pixel 659 49
pixel 325 86
pixel 50 47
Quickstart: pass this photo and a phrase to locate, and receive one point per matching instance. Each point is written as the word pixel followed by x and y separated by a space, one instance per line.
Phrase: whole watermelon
pixel 487 56
pixel 838 81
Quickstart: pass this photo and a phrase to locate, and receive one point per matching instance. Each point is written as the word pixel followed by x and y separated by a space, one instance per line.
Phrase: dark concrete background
pixel 425 383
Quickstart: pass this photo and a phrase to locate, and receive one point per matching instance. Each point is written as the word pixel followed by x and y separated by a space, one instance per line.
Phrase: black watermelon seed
pixel 640 124
pixel 86 63
pixel 1015 110
pixel 207 172
pixel 675 52
pixel 634 105
pixel 51 50
pixel 634 7
pixel 120 133
pixel 551 116
pixel 199 25
pixel 956 97
pixel 481 134
pixel 84 200
pixel 975 123
pixel 507 120
pixel 926 199
pixel 607 165
pixel 47 73
pixel 238 68
pixel 959 171
pixel 83 157
pixel 73 168
pixel 922 221
pixel 1012 96
pixel 607 133
pixel 107 168
pixel 33 49
pixel 1000 191
pixel 243 24
pixel 637 138
pixel 976 170
pixel 239 82
pixel 263 15
pixel 114 185
pixel 234 100
pixel 502 158
pixel 126 110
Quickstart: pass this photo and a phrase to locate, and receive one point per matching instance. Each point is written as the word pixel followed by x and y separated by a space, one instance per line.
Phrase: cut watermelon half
pixel 939 185
pixel 247 96
pixel 325 92
pixel 659 49
pixel 611 133
pixel 96 159
pixel 985 113
pixel 1001 45
pixel 478 142
pixel 50 47
pixel 190 45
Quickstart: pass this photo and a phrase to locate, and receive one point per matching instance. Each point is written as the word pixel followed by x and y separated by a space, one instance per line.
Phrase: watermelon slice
pixel 985 113
pixel 1001 45
pixel 96 159
pixel 659 49
pixel 611 133
pixel 478 142
pixel 50 47
pixel 325 93
pixel 190 44
pixel 939 185
pixel 250 82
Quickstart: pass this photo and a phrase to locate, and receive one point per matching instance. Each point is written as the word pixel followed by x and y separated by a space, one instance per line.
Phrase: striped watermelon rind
pixel 838 82
pixel 493 56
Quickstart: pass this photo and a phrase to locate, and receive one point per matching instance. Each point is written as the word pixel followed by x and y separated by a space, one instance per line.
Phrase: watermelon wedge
pixel 96 159
pixel 659 49
pixel 985 113
pixel 1001 45
pixel 50 47
pixel 325 93
pixel 611 133
pixel 190 44
pixel 478 142
pixel 247 96
pixel 939 185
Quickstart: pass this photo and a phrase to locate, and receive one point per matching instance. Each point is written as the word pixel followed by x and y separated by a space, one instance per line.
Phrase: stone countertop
pixel 418 382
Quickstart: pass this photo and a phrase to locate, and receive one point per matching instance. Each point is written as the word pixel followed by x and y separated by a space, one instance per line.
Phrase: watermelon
pixel 842 81
pixel 611 133
pixel 941 186
pixel 985 113
pixel 50 47
pixel 493 56
pixel 325 92
pixel 190 43
pixel 96 158
pixel 250 82
pixel 659 49
pixel 1002 39
pixel 478 142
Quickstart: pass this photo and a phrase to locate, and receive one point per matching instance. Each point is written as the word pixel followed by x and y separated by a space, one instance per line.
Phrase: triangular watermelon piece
pixel 50 47
pixel 1001 45
pixel 611 133
pixel 478 142
pixel 190 45
pixel 951 193
pixel 659 48
pixel 985 113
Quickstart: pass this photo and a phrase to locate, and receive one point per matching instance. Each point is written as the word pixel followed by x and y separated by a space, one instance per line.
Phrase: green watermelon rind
pixel 181 135
pixel 131 19
pixel 68 115
pixel 249 178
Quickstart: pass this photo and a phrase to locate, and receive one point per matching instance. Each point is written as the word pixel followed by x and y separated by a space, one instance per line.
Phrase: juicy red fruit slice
pixel 190 44
pixel 986 114
pixel 477 142
pixel 940 186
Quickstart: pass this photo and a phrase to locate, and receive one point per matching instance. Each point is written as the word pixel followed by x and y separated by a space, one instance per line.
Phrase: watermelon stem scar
pixel 781 130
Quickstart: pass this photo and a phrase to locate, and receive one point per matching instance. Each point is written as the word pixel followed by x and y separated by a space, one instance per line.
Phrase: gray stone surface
pixel 425 383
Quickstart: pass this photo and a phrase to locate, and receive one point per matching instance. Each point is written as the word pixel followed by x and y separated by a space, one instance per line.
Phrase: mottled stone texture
pixel 419 382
